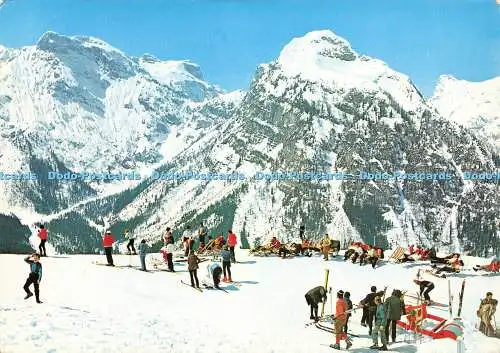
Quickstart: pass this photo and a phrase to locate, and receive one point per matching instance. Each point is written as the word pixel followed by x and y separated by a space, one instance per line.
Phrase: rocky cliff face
pixel 319 108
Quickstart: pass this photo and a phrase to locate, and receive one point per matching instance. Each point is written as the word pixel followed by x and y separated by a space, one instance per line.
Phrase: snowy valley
pixel 89 308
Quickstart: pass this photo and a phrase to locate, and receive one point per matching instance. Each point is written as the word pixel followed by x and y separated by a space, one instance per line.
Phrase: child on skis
pixel 34 277
pixel 225 254
pixel 379 327
pixel 193 262
pixel 142 254
pixel 340 320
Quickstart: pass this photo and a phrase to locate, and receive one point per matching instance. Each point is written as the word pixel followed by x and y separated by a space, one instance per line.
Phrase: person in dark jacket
pixel 34 277
pixel 302 230
pixel 371 307
pixel 394 308
pixel 313 298
pixel 225 254
pixel 425 288
pixel 193 262
pixel 143 247
pixel 347 298
pixel 379 326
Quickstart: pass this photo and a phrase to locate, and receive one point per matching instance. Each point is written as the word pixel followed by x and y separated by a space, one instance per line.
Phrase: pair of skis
pixel 460 299
pixel 195 288
pixel 331 330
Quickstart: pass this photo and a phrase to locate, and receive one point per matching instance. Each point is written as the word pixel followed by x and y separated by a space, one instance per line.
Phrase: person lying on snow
pixel 444 260
pixel 358 253
pixel 454 265
pixel 494 266
pixel 370 257
pixel 313 298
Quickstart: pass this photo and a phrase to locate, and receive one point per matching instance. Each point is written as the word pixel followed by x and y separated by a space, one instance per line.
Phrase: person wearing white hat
pixel 107 243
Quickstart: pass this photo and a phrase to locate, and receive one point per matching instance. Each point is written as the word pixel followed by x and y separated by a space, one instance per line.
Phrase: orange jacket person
pixel 340 321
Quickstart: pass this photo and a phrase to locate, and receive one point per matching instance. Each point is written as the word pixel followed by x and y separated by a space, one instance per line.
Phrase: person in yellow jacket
pixel 325 246
pixel 486 312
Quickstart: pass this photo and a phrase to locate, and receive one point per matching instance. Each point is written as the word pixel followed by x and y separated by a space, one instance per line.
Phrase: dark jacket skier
pixel 34 277
pixel 425 288
pixel 225 254
pixel 371 307
pixel 347 298
pixel 193 262
pixel 313 298
pixel 394 308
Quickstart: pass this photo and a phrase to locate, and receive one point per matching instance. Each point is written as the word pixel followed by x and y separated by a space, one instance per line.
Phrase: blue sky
pixel 229 38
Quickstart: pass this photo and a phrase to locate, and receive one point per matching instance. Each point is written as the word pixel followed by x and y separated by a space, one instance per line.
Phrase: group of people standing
pixel 380 315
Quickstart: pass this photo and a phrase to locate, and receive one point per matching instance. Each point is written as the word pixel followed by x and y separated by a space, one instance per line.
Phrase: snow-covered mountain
pixel 319 107
pixel 322 107
pixel 475 105
pixel 78 104
pixel 93 108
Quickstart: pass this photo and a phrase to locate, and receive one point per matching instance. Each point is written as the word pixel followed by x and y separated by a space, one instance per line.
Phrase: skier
pixel 168 238
pixel 369 303
pixel 313 298
pixel 169 249
pixel 214 272
pixel 340 320
pixel 107 243
pixel 130 245
pixel 485 312
pixel 379 326
pixel 186 235
pixel 193 262
pixel 42 234
pixel 302 230
pixel 347 298
pixel 425 288
pixel 34 277
pixel 142 254
pixel 231 241
pixel 394 308
pixel 226 264
pixel 325 246
pixel 202 232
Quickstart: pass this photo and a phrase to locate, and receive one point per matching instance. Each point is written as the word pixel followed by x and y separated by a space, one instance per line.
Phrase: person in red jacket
pixel 340 321
pixel 42 234
pixel 231 242
pixel 107 242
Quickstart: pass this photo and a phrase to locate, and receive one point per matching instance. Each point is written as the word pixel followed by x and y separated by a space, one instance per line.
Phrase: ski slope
pixel 89 308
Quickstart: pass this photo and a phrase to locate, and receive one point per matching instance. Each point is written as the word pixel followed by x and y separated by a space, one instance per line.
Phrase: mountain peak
pixel 316 44
pixel 55 42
